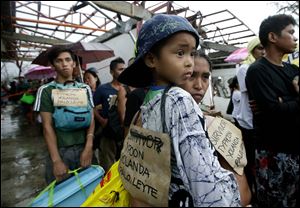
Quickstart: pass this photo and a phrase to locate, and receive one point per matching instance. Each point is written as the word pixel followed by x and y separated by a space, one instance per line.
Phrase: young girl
pixel 165 56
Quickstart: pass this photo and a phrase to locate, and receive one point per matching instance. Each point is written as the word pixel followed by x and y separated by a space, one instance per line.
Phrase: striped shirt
pixel 44 103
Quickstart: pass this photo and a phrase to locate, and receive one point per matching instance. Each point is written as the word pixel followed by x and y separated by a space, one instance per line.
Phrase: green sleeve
pixel 46 103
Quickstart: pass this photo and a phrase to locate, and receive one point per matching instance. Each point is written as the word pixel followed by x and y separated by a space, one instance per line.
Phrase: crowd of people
pixel 268 121
pixel 85 122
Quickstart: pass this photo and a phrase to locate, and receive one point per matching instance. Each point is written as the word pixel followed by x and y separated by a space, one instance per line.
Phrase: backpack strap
pixel 162 108
pixel 137 119
pixel 181 196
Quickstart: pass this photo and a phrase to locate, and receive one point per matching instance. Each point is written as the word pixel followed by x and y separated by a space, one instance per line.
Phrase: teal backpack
pixel 68 118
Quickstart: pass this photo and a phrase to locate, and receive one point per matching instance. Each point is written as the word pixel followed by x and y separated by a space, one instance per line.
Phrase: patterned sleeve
pixel 208 183
pixel 90 95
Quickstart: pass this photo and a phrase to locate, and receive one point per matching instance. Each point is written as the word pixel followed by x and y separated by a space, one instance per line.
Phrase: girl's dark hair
pixel 274 24
pixel 234 83
pixel 56 50
pixel 201 54
pixel 93 72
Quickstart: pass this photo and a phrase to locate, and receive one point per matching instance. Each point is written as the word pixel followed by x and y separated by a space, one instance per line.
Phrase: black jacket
pixel 277 124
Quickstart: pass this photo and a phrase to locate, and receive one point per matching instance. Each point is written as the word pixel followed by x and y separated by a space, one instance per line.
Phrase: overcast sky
pixel 252 13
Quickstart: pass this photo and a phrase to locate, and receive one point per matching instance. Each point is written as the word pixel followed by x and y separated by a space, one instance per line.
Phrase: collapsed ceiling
pixel 30 27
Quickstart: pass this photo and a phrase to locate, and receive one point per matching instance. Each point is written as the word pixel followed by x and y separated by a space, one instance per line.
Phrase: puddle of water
pixel 20 180
pixel 20 154
pixel 23 152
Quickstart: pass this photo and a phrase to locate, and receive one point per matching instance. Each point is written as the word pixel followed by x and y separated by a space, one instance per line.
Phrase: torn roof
pixel 30 27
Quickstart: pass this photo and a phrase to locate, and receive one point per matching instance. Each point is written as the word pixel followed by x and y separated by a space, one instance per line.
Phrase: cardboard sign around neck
pixel 69 97
pixel 227 140
pixel 145 167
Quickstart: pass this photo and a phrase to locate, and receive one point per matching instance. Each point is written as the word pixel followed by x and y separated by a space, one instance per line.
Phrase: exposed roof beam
pixel 36 39
pixel 103 25
pixel 246 36
pixel 125 8
pixel 228 34
pixel 224 20
pixel 218 29
pixel 18 58
pixel 26 27
pixel 58 24
pixel 116 31
pixel 225 10
pixel 217 46
pixel 64 18
pixel 113 32
pixel 81 23
pixel 30 45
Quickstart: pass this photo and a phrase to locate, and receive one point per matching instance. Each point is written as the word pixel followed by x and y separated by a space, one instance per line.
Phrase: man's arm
pixel 87 153
pixel 121 103
pixel 59 168
pixel 259 85
pixel 99 118
pixel 97 101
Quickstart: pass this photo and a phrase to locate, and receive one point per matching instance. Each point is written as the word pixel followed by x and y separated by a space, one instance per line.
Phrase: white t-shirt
pixel 245 116
pixel 236 98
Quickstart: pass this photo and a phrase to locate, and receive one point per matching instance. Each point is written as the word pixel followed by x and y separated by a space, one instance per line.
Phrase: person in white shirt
pixel 236 98
pixel 244 115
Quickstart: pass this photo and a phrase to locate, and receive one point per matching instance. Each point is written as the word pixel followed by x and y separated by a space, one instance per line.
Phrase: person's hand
pixel 213 113
pixel 254 107
pixel 60 170
pixel 86 157
pixel 295 83
pixel 243 185
pixel 98 107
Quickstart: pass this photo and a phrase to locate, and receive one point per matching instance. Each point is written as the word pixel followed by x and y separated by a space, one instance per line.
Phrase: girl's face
pixel 90 80
pixel 176 60
pixel 198 83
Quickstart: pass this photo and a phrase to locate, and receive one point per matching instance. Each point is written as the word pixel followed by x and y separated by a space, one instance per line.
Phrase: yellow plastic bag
pixel 110 192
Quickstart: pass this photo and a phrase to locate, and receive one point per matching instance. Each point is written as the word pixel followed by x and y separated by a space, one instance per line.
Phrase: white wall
pixel 9 70
pixel 226 74
pixel 123 47
pixel 221 103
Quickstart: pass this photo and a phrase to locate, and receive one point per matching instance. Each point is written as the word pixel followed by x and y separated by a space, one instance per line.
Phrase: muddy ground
pixel 23 152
